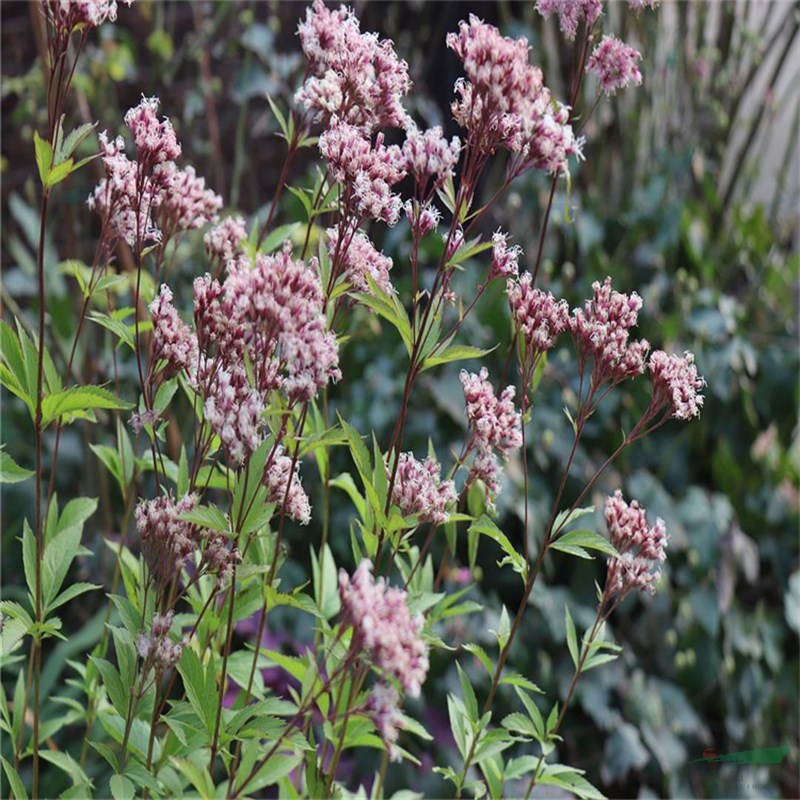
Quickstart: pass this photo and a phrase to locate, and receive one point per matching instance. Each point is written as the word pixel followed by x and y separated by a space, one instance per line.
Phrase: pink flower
pixel 505 259
pixel 285 488
pixel 570 13
pixel 173 339
pixel 368 171
pixel 155 140
pixel 384 708
pixel 429 156
pixel 676 385
pixel 66 15
pixel 224 242
pixel 188 204
pixel 219 557
pixel 419 489
pixel 615 64
pixel 281 306
pixel 602 333
pixel 232 408
pixel 494 421
pixel 504 103
pixel 383 625
pixel 167 540
pixel 639 545
pixel 126 198
pixel 538 317
pixel 359 259
pixel 158 650
pixel 352 75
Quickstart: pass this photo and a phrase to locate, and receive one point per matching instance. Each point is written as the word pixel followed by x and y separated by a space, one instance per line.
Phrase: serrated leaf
pixel 207 517
pixel 72 591
pixel 78 399
pixel 122 788
pixel 10 471
pixel 454 352
pixel 583 540
pixel 487 527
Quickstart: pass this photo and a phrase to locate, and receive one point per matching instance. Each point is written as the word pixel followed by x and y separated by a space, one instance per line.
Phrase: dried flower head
pixel 383 625
pixel 384 708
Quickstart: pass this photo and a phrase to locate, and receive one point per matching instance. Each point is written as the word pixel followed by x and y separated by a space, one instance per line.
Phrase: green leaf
pixel 122 331
pixel 122 788
pixel 576 543
pixel 17 787
pixel 487 527
pixel 59 172
pixel 117 693
pixel 481 655
pixel 572 782
pixel 326 584
pixel 276 767
pixel 346 483
pixel 207 517
pixel 454 352
pixel 504 628
pixel 467 250
pixel 10 471
pixel 572 637
pixel 201 693
pixel 80 399
pixel 390 308
pixel 67 764
pixel 29 557
pixel 58 556
pixel 565 518
pixel 198 776
pixel 72 591
pixel 597 659
pixel 277 237
pixel 44 156
pixel 468 693
pixel 68 145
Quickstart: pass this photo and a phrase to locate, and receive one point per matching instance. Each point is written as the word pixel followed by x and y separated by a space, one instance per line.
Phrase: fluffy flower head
pixel 383 625
pixel 615 64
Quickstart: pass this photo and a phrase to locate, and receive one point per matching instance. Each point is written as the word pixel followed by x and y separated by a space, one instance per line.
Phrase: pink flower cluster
pixel 503 102
pixel 358 259
pixel 224 242
pixel 505 259
pixel 157 650
pixel 537 316
pixel 676 385
pixel 172 340
pixel 285 489
pixel 383 625
pixel 429 157
pixel 232 408
pixel 494 424
pixel 639 545
pixel 352 75
pixel 167 540
pixel 188 204
pixel 615 64
pixel 570 13
pixel 419 489
pixel 368 170
pixel 602 334
pixel 134 194
pixel 384 708
pixel 67 15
